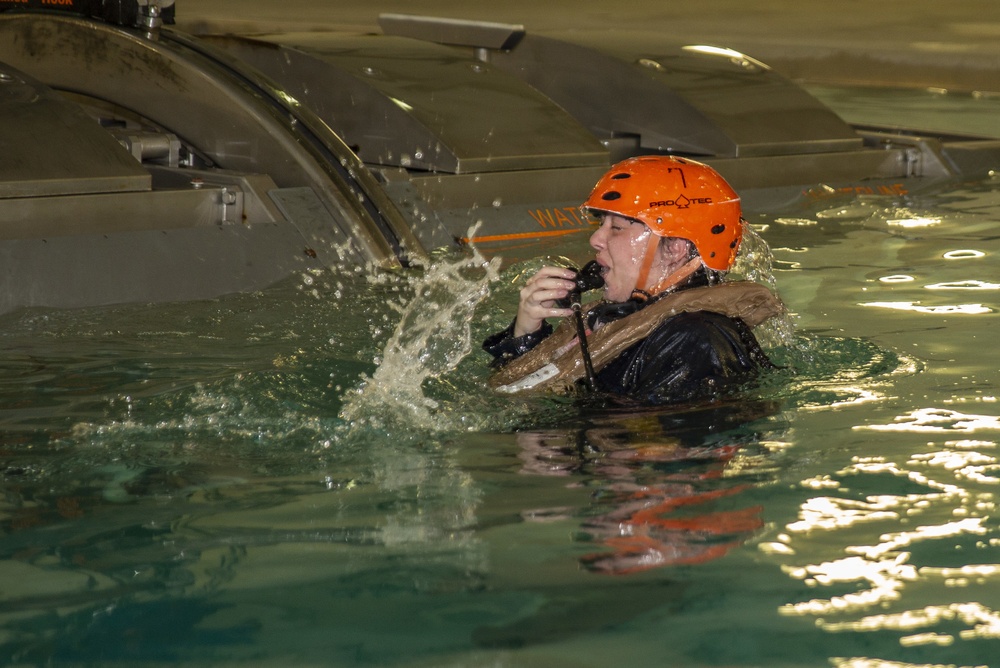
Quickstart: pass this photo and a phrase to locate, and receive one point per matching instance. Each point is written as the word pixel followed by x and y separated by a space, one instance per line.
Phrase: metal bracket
pixel 482 36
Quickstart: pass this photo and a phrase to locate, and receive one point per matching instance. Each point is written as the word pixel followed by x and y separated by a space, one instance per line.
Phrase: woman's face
pixel 621 246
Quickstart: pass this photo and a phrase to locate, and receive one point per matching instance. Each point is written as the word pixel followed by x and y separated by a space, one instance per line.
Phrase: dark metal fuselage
pixel 144 164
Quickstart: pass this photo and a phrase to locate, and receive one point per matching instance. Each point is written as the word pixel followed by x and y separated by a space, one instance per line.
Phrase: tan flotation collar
pixel 555 364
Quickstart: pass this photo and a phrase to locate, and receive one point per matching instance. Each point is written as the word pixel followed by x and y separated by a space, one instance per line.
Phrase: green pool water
pixel 317 476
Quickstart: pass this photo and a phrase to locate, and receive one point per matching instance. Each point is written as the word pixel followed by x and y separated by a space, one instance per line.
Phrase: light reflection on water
pixel 233 481
pixel 900 542
pixel 946 513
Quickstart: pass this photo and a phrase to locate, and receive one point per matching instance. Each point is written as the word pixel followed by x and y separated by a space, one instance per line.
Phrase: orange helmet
pixel 675 197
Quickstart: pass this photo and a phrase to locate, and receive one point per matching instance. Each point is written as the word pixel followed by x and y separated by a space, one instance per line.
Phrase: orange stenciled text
pixel 558 217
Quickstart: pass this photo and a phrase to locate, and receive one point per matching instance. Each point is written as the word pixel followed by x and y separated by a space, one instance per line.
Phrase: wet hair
pixel 703 275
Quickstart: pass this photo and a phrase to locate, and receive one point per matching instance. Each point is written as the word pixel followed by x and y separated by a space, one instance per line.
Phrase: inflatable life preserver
pixel 551 366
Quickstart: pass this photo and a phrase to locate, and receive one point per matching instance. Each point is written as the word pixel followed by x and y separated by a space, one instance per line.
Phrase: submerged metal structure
pixel 139 163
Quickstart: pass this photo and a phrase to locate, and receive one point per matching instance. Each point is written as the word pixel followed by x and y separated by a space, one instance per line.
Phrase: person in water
pixel 669 328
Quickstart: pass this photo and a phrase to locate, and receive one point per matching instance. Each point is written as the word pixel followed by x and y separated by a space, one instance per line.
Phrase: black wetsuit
pixel 688 356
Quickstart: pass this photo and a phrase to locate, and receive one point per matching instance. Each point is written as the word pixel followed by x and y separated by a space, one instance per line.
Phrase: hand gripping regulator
pixel 588 278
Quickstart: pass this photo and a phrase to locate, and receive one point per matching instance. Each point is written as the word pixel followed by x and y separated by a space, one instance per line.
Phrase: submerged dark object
pixel 141 163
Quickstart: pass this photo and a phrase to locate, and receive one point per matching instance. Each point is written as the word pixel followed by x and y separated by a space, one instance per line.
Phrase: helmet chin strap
pixel 643 291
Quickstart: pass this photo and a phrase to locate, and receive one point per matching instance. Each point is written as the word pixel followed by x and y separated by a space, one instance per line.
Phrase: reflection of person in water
pixel 668 328
pixel 656 490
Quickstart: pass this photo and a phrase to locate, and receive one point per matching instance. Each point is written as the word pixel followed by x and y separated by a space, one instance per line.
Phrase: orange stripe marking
pixel 522 235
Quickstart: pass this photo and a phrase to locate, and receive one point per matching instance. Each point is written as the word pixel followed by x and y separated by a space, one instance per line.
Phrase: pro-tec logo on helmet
pixel 681 202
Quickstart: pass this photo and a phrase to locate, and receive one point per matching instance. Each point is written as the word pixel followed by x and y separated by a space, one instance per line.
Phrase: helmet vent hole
pixel 611 195
pixel 718 229
pixel 621 175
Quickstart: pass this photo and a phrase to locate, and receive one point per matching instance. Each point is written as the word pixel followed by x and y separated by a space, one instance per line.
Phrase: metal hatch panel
pixel 695 101
pixel 50 147
pixel 147 265
pixel 420 106
pixel 173 83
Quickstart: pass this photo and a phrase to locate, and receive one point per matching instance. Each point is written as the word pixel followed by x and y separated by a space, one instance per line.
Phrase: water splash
pixel 755 262
pixel 432 337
